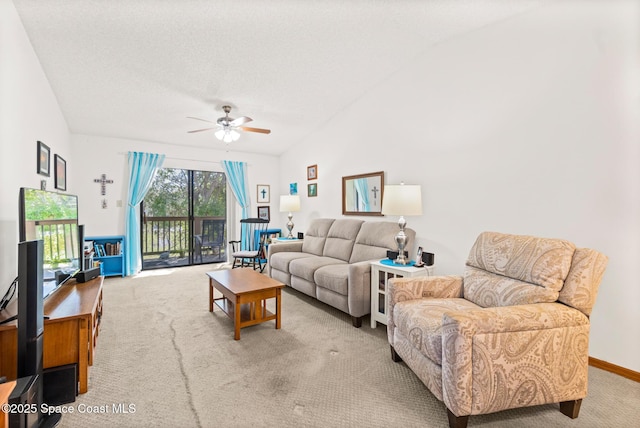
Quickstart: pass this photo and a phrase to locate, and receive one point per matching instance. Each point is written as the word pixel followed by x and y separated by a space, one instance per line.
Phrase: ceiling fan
pixel 227 128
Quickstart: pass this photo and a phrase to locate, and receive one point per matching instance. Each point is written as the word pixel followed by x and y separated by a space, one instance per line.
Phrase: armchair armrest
pixel 444 286
pixel 402 289
pixel 504 357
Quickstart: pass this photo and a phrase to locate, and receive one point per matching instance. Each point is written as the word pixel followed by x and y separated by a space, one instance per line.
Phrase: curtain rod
pixel 184 159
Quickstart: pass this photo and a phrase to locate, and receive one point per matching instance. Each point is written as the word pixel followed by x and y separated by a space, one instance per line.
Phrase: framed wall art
pixel 312 172
pixel 312 190
pixel 60 171
pixel 44 156
pixel 264 213
pixel 293 188
pixel 264 194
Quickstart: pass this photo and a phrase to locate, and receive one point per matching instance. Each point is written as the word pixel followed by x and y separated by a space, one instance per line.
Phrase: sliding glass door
pixel 184 219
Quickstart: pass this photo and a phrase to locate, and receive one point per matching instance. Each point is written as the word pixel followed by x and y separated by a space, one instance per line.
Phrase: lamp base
pixel 401 240
pixel 290 226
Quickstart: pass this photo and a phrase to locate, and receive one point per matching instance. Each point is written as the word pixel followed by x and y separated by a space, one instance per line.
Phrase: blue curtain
pixel 237 178
pixel 362 188
pixel 142 171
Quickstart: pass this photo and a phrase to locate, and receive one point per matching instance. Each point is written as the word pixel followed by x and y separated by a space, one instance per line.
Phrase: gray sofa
pixel 332 263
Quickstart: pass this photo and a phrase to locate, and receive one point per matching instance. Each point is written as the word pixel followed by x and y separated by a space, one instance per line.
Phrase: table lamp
pixel 290 203
pixel 402 199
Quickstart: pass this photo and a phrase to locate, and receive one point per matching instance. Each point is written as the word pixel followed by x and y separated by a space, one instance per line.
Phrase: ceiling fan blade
pixel 197 118
pixel 240 121
pixel 260 130
pixel 200 130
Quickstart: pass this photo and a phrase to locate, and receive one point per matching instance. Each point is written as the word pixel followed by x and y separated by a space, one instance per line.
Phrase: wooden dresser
pixel 70 331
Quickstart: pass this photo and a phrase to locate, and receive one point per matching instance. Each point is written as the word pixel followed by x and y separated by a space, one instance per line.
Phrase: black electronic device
pixel 53 218
pixel 81 264
pixel 31 337
pixel 300 235
pixel 428 258
pixel 25 397
pixel 30 308
pixel 30 330
pixel 392 255
pixel 60 384
pixel 88 274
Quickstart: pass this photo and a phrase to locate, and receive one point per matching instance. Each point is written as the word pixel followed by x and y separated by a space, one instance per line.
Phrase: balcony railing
pixel 170 234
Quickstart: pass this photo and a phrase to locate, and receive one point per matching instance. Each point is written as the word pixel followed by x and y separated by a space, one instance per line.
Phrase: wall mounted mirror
pixel 362 194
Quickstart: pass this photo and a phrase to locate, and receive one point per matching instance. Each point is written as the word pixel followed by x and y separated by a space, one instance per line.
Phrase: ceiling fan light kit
pixel 227 129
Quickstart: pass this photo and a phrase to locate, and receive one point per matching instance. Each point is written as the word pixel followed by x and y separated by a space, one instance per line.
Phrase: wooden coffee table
pixel 244 296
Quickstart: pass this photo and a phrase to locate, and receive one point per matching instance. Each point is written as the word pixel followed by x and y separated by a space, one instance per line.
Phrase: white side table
pixel 381 273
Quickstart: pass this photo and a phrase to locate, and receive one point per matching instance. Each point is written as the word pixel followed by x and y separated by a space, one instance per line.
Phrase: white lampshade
pixel 402 199
pixel 289 203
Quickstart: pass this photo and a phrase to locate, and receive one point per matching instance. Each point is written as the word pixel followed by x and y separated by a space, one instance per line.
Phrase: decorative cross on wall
pixel 103 183
pixel 375 191
pixel 264 193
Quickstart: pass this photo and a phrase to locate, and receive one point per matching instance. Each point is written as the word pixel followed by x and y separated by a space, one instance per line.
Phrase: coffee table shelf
pixel 248 290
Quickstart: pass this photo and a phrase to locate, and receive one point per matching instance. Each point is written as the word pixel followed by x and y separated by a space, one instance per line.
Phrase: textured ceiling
pixel 136 69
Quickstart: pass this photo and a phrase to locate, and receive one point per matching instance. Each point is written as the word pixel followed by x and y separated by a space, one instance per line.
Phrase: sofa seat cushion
pixel 333 277
pixel 281 261
pixel 306 267
pixel 420 321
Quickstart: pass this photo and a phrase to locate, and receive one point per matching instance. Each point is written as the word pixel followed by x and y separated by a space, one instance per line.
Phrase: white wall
pixel 101 155
pixel 528 126
pixel 29 112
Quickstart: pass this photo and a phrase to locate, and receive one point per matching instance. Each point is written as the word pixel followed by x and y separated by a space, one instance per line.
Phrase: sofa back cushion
pixel 316 235
pixel 376 238
pixel 504 270
pixel 340 238
pixel 581 286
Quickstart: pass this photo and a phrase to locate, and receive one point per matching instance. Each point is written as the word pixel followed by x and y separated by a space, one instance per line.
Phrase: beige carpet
pixel 169 362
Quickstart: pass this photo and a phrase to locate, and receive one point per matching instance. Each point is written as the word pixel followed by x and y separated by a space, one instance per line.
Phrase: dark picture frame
pixel 312 172
pixel 60 171
pixel 44 159
pixel 264 213
pixel 312 190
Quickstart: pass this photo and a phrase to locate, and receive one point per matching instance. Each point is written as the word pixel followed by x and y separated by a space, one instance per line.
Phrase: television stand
pixel 70 332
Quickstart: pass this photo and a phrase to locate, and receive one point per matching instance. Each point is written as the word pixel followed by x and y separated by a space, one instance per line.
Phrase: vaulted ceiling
pixel 136 69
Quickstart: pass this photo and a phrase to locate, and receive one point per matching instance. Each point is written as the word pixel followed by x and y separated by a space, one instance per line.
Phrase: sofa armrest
pixel 359 288
pixel 284 246
pixel 533 354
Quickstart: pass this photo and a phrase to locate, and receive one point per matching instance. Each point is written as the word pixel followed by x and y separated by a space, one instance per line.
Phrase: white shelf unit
pixel 380 275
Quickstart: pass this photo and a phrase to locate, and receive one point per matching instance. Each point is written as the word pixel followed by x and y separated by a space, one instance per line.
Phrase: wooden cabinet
pixel 70 331
pixel 381 272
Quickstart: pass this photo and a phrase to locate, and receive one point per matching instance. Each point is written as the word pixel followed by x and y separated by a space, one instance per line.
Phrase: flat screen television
pixel 53 218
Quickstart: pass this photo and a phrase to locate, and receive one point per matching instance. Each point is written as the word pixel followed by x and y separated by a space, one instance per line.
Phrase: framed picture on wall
pixel 44 156
pixel 60 171
pixel 312 172
pixel 312 190
pixel 264 213
pixel 264 194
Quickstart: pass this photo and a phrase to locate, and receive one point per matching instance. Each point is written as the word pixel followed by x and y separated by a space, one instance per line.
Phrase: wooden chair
pixel 249 250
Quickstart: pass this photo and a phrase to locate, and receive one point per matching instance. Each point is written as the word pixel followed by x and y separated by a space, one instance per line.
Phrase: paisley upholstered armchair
pixel 513 331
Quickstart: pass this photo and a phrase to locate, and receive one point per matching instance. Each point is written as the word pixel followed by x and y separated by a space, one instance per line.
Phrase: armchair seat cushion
pixel 420 321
